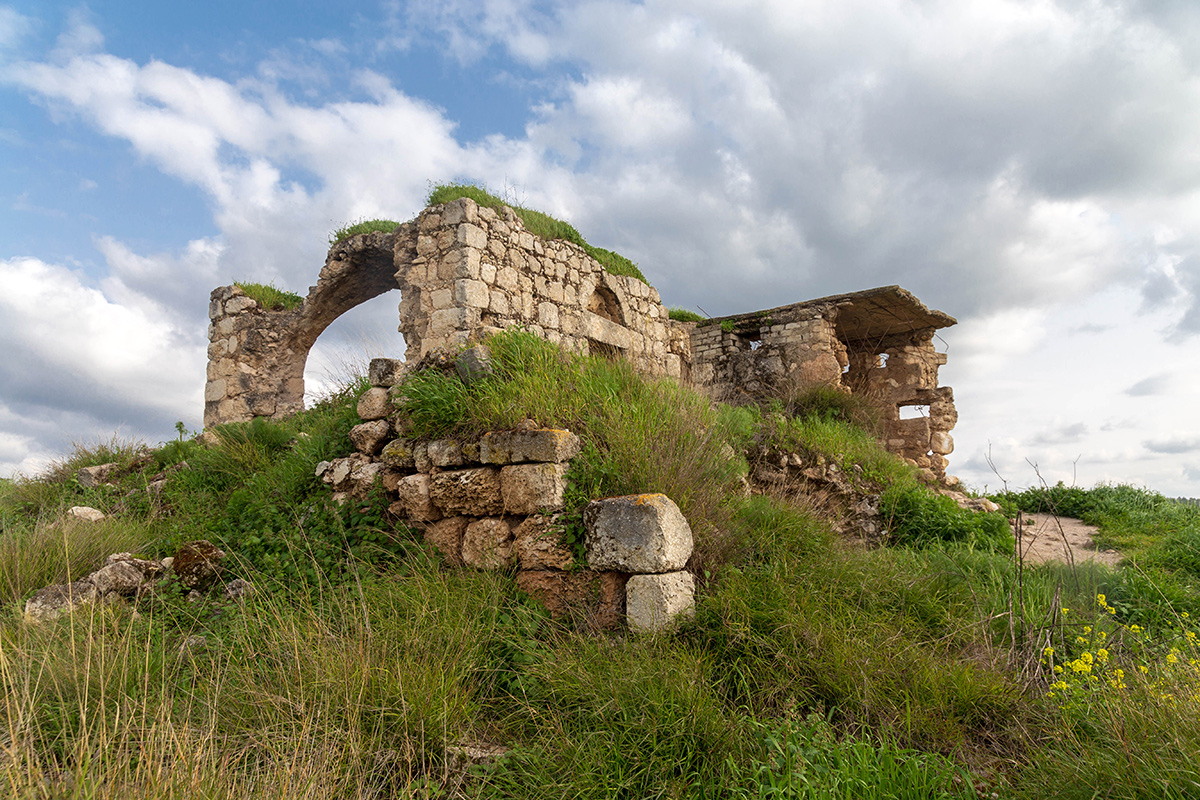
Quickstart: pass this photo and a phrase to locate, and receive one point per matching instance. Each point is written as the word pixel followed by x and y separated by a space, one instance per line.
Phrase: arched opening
pixel 343 350
pixel 604 303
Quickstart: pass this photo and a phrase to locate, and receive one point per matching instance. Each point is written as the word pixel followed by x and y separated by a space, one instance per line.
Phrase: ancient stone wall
pixel 492 504
pixel 462 271
pixel 877 344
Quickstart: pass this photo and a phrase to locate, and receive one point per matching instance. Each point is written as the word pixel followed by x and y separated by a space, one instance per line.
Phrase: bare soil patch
pixel 1049 538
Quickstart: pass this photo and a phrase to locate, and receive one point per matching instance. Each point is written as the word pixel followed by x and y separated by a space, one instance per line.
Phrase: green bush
pixel 685 315
pixel 537 223
pixel 916 517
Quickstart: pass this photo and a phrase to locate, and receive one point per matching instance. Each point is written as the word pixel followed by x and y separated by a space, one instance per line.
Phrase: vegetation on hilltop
pixel 537 223
pixel 362 226
pixel 269 296
pixel 813 668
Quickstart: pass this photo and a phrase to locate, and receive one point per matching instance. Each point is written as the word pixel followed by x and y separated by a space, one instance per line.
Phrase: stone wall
pixel 877 344
pixel 493 504
pixel 462 271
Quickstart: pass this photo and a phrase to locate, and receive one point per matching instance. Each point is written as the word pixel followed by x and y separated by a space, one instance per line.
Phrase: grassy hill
pixel 813 667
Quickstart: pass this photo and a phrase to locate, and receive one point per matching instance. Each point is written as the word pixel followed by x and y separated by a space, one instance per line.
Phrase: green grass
pixel 685 315
pixel 537 223
pixel 811 668
pixel 362 226
pixel 270 297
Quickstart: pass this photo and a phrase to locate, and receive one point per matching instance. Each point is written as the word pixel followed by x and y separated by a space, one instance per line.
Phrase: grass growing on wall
pixel 270 297
pixel 685 315
pixel 537 223
pixel 362 226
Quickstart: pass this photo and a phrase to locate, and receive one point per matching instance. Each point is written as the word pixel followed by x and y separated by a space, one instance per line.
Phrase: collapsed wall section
pixel 877 344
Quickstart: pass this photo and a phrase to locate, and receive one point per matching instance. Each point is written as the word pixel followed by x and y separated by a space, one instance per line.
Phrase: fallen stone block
pixel 197 564
pixel 85 513
pixel 385 372
pixel 652 602
pixel 515 447
pixel 54 601
pixel 91 477
pixel 472 492
pixel 120 578
pixel 643 533
pixel 531 488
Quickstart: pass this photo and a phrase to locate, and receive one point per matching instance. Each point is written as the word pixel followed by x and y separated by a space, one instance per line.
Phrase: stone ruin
pixel 464 271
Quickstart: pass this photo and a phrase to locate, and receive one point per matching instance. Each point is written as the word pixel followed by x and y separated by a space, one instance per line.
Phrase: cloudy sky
pixel 1032 168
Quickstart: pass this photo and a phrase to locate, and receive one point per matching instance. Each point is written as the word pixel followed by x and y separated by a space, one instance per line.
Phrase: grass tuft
pixel 537 223
pixel 685 315
pixel 362 226
pixel 270 297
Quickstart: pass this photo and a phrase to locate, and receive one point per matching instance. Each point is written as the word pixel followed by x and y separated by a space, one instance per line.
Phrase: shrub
pixel 685 315
pixel 537 223
pixel 269 296
pixel 825 402
pixel 916 517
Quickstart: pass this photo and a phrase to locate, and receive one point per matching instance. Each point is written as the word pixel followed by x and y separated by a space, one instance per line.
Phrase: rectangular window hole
pixel 913 412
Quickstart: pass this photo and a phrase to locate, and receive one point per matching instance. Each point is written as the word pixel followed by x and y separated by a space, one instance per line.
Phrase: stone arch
pixel 604 303
pixel 257 356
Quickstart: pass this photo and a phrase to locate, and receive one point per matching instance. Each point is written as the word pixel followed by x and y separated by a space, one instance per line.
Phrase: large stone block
pixel 398 453
pixel 475 492
pixel 413 492
pixel 644 533
pixel 369 437
pixel 447 536
pixel 653 601
pixel 595 599
pixel 488 544
pixel 385 372
pixel 515 447
pixel 445 453
pixel 537 544
pixel 530 488
pixel 941 443
pixel 374 404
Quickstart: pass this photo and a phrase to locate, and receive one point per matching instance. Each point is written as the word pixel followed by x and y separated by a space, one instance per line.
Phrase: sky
pixel 1031 168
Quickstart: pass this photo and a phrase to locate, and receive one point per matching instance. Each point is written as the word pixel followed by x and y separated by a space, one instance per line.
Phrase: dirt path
pixel 1047 538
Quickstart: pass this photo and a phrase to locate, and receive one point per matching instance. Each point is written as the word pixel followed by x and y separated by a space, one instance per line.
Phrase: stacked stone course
pixel 493 503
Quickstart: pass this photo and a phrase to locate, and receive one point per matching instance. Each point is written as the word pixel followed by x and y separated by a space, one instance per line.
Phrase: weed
pixel 685 315
pixel 270 297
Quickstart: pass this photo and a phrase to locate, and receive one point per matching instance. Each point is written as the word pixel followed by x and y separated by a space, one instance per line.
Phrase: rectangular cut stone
pixel 488 544
pixel 413 492
pixel 514 447
pixel 652 602
pixel 594 600
pixel 471 293
pixel 471 236
pixel 447 536
pixel 445 453
pixel 530 488
pixel 385 372
pixel 643 533
pixel 475 492
pixel 537 544
pixel 374 404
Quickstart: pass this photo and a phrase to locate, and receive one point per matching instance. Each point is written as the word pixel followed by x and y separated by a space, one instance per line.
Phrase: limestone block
pixel 214 390
pixel 421 460
pixel 530 488
pixel 461 210
pixel 91 477
pixel 487 270
pixel 398 453
pixel 596 599
pixel 385 372
pixel 448 320
pixel 467 491
pixel 498 304
pixel 488 544
pixel 653 601
pixel 119 578
pixel 637 533
pixel 413 491
pixel 441 298
pixel 374 404
pixel 541 444
pixel 236 305
pixel 506 278
pixel 941 443
pixel 471 235
pixel 54 601
pixel 474 364
pixel 369 437
pixel 463 264
pixel 447 536
pixel 445 453
pixel 390 478
pixel 85 513
pixel 537 544
pixel 363 477
pixel 471 293
pixel 547 315
pixel 197 564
